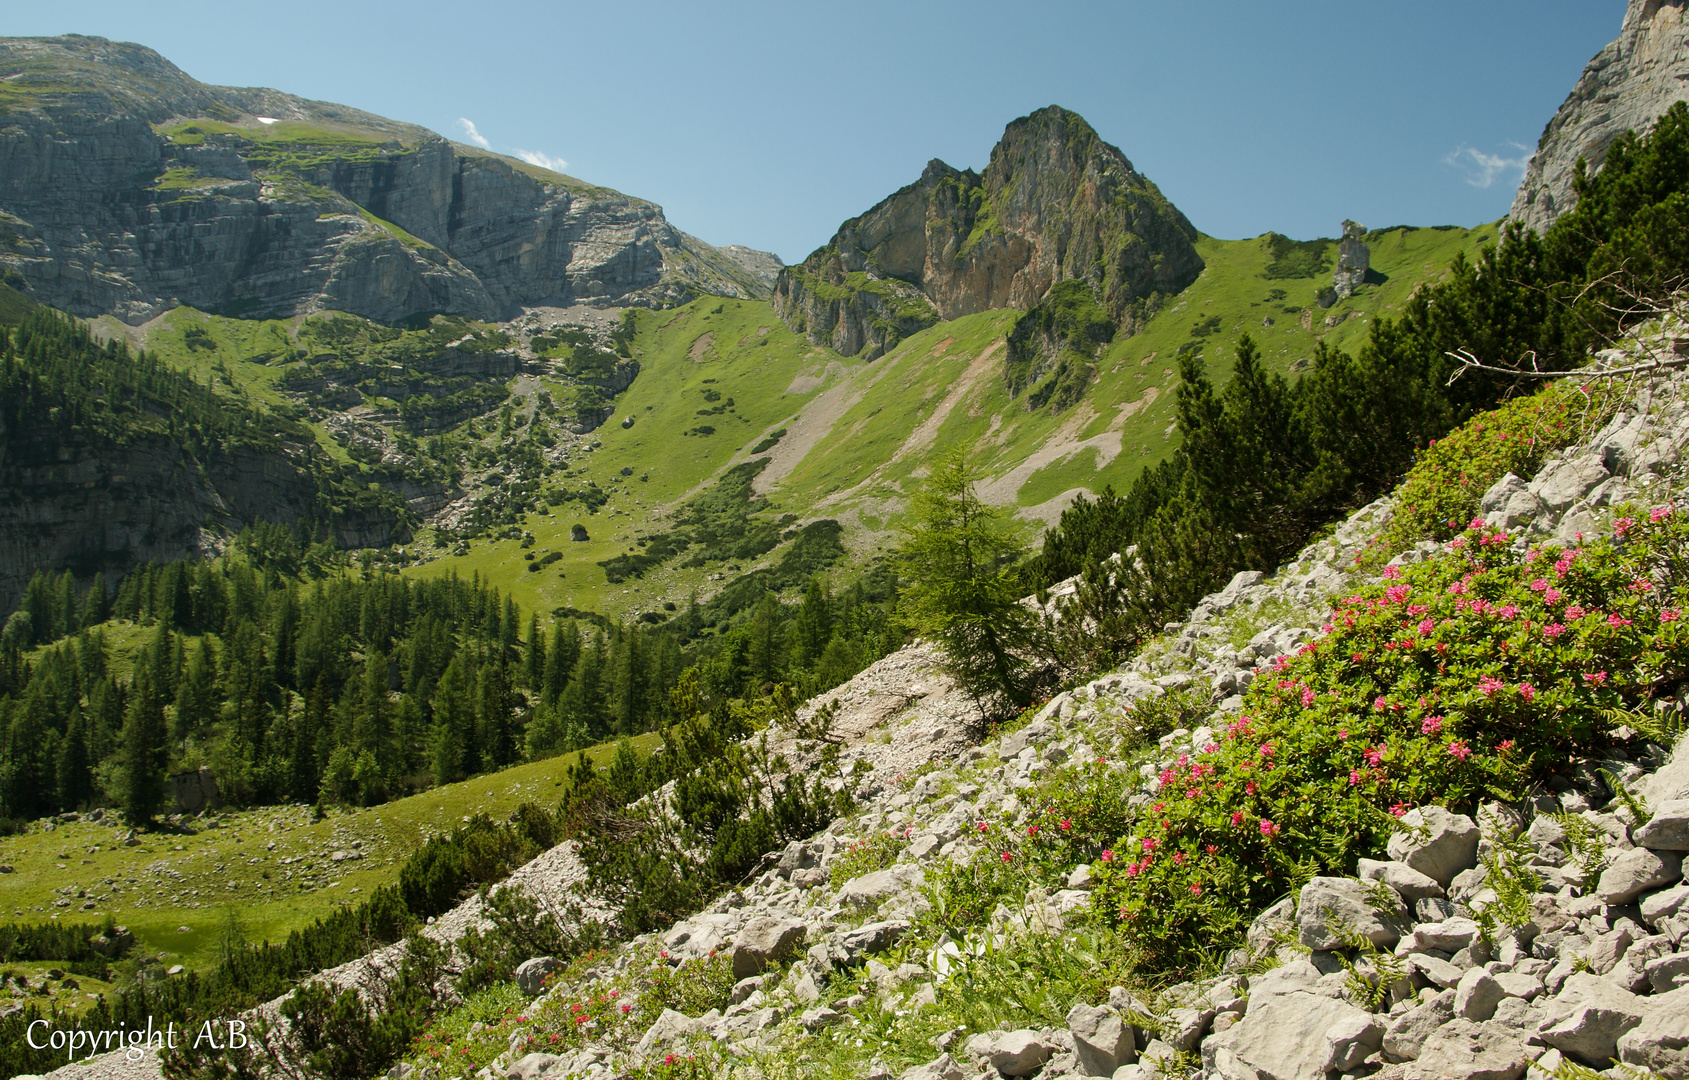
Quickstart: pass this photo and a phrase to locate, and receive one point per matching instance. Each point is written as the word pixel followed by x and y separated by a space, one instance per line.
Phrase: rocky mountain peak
pixel 128 187
pixel 1628 85
pixel 1055 203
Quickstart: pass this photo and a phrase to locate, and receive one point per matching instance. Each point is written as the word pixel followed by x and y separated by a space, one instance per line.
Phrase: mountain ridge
pixel 128 187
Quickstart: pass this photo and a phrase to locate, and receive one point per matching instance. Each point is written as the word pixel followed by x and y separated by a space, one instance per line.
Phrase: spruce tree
pixel 74 768
pixel 144 753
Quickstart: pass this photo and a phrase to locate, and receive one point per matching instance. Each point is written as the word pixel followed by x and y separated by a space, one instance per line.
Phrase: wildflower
pixel 1510 611
pixel 1426 626
pixel 1007 856
pixel 1398 809
pixel 1032 830
pixel 1459 750
pixel 1149 845
pixel 1539 585
pixel 1489 685
pixel 1342 734
pixel 1307 698
pixel 1595 678
pixel 1642 585
pixel 985 826
pixel 1392 572
pixel 1211 748
pixel 626 1009
pixel 1196 888
pixel 1527 691
pixel 1553 630
pixel 1395 594
pixel 1623 526
pixel 1379 704
pixel 1237 818
pixel 1212 848
pixel 1108 856
pixel 1354 777
pixel 1249 787
pixel 1476 523
pixel 1575 612
pixel 1375 754
pixel 1268 829
pixel 1552 596
pixel 1066 824
pixel 1659 512
pixel 1505 745
pixel 1615 620
pixel 1431 725
pixel 1668 615
pixel 1266 749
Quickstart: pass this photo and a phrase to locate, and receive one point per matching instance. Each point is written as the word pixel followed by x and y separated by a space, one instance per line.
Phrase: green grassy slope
pixel 203 877
pixel 857 435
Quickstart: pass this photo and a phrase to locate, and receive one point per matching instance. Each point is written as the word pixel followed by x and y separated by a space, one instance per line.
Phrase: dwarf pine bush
pixel 1462 678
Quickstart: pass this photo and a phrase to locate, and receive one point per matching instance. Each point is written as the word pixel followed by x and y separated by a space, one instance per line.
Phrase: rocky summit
pixel 1627 86
pixel 127 187
pixel 1055 203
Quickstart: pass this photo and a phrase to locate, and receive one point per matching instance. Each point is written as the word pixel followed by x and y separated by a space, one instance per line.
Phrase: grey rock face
pixel 1052 205
pixel 191 792
pixel 1661 1041
pixel 113 216
pixel 1348 903
pixel 1635 872
pixel 1463 1050
pixel 1354 258
pixel 1668 829
pixel 1012 1053
pixel 1297 1036
pixel 1101 1042
pixel 1627 86
pixel 763 941
pixel 530 975
pixel 1438 844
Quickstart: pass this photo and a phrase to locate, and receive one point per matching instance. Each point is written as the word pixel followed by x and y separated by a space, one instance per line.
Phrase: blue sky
pixel 767 124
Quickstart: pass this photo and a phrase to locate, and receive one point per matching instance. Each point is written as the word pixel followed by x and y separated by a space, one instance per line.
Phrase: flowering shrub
pixel 1450 476
pixel 1460 678
pixel 1074 814
pixel 868 855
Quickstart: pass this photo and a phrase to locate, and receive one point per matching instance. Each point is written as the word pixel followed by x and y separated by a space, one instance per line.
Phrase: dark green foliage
pixel 1296 258
pixel 768 442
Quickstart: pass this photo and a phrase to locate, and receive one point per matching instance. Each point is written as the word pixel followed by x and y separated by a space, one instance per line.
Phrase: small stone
pixel 531 974
pixel 1668 829
pixel 1476 996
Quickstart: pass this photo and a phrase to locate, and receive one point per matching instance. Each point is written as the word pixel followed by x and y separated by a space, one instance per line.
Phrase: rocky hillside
pixel 1627 86
pixel 127 187
pixel 1055 203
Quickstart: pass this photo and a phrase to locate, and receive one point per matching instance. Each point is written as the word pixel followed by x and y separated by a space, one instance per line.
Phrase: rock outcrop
pixel 1055 203
pixel 1627 86
pixel 1354 259
pixel 128 187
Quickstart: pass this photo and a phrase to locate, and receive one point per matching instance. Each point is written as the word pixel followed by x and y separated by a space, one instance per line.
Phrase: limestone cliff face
pixel 1628 85
pixel 1054 203
pixel 113 199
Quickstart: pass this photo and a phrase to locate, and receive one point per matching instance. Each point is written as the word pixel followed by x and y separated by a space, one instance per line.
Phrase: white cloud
pixel 1482 170
pixel 473 135
pixel 544 161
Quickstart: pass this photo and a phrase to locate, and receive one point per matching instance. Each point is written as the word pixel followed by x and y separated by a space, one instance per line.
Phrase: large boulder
pixel 943 1067
pixel 1328 904
pixel 1101 1042
pixel 763 941
pixel 1463 1050
pixel 873 889
pixel 1012 1053
pixel 1295 1036
pixel 1407 1034
pixel 530 974
pixel 669 1028
pixel 869 939
pixel 1436 843
pixel 1660 1043
pixel 1586 1019
pixel 1637 871
pixel 1668 829
pixel 1412 885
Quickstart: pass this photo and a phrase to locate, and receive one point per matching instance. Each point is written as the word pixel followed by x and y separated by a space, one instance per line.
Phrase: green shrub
pixel 1462 678
pixel 1449 477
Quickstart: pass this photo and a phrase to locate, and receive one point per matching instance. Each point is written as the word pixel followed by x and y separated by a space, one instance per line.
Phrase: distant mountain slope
pixel 127 187
pixel 1628 85
pixel 1055 203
